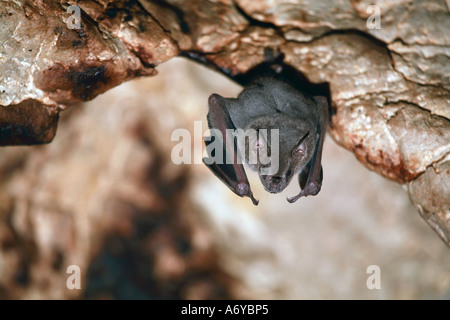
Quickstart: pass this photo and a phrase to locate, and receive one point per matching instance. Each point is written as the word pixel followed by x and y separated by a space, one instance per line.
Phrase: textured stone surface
pixel 38 126
pixel 389 87
pixel 430 193
pixel 423 64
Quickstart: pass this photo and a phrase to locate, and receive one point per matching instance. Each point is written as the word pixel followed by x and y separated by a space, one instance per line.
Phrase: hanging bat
pixel 263 106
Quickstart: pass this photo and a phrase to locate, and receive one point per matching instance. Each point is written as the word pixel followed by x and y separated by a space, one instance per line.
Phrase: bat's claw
pixel 243 189
pixel 310 190
pixel 293 199
pixel 255 201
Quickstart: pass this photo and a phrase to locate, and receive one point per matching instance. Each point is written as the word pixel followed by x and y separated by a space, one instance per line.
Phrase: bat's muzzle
pixel 274 184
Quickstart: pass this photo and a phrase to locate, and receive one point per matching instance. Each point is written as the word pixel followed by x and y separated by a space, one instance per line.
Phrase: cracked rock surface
pixel 389 87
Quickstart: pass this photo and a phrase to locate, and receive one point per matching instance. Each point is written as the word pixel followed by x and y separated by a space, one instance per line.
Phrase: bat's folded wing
pixel 227 168
pixel 312 175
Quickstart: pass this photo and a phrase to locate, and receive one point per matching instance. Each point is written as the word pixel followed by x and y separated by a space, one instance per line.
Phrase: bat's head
pixel 281 151
pixel 292 158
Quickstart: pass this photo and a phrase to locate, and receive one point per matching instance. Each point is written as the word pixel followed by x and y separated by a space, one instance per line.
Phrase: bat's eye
pixel 299 152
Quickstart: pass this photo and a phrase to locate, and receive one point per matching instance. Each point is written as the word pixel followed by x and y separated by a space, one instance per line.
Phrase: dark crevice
pixel 253 22
pixel 257 23
pixel 144 63
pixel 178 12
pixel 406 44
pixel 168 32
pixel 202 59
pixel 410 103
pixel 141 7
pixel 358 32
pixel 390 53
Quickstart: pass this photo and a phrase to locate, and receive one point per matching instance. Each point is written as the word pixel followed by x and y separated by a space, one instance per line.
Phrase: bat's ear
pixel 216 100
pixel 217 109
pixel 300 148
pixel 321 101
pixel 231 173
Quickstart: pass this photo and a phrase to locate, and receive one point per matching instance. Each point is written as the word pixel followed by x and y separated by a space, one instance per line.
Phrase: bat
pixel 282 128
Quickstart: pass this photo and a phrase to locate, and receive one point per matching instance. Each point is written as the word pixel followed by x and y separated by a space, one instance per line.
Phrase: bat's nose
pixel 276 180
pixel 276 184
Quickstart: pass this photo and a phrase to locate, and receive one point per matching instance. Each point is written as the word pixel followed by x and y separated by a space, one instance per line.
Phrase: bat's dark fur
pixel 268 103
